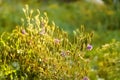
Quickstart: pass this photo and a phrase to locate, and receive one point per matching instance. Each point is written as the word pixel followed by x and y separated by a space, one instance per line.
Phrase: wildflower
pixel 23 31
pixel 56 41
pixel 89 47
pixel 63 53
pixel 85 78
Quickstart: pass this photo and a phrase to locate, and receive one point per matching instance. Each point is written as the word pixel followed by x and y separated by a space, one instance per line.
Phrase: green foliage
pixel 108 1
pixel 105 61
pixel 40 50
pixel 97 17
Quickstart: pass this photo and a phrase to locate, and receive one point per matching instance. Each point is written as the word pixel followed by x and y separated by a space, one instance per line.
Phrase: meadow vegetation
pixel 83 46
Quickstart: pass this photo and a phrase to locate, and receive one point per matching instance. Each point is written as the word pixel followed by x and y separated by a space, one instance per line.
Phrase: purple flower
pixel 23 31
pixel 85 78
pixel 89 47
pixel 57 41
pixel 63 53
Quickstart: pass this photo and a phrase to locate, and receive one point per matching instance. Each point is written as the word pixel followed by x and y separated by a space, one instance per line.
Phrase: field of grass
pixel 57 40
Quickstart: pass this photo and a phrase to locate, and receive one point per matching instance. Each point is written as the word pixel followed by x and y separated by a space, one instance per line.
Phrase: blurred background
pixel 100 16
